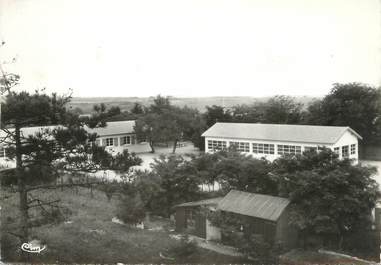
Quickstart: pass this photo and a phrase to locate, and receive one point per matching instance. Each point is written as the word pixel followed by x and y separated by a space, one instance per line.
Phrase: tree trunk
pixel 341 241
pixel 151 145
pixel 22 189
pixel 61 177
pixel 174 146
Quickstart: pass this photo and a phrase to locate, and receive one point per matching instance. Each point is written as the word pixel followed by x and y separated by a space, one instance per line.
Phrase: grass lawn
pixel 88 235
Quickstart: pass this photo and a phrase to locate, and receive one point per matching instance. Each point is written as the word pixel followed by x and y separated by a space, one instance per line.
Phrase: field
pixel 87 235
pixel 126 103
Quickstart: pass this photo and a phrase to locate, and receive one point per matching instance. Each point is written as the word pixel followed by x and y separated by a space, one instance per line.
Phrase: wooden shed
pixel 191 217
pixel 261 214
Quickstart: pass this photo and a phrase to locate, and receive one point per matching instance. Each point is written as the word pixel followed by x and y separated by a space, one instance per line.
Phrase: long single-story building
pixel 116 137
pixel 273 140
pixel 261 214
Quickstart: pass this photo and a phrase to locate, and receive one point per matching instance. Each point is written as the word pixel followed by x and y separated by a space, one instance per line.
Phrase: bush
pixel 185 249
pixel 131 209
pixel 109 188
pixel 365 244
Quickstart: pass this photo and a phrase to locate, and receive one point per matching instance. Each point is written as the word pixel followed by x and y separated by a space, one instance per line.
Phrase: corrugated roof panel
pixel 252 204
pixel 202 202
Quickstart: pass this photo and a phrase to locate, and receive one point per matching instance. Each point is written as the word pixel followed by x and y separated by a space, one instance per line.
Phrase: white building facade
pixel 118 136
pixel 274 140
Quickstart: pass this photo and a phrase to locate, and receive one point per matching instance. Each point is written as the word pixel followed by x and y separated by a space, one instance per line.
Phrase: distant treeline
pixel 354 104
pixel 199 103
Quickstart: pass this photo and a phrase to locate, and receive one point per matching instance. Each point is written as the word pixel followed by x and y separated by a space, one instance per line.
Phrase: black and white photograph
pixel 190 132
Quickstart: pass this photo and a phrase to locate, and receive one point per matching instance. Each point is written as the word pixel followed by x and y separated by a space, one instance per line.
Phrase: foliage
pixel 331 197
pixel 355 105
pixel 233 228
pixel 283 109
pixel 242 172
pixel 131 209
pixel 137 109
pixel 249 113
pixel 234 170
pixel 109 188
pixel 215 114
pixel 184 249
pixel 163 122
pixel 63 146
pixel 171 181
pixel 255 247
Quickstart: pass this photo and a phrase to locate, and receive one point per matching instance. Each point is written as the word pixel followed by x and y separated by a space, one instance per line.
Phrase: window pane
pixel 353 149
pixel 345 151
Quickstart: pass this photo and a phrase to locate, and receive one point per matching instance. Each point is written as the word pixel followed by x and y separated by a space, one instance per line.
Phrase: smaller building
pixel 118 136
pixel 191 217
pixel 261 214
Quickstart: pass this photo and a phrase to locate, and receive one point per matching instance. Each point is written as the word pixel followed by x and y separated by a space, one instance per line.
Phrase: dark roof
pixel 253 204
pixel 212 201
pixel 279 132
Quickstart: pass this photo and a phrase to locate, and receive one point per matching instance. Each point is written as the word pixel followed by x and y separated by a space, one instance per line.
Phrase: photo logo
pixel 27 247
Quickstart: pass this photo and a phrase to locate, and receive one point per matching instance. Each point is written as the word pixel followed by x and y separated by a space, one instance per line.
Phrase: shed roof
pixel 253 204
pixel 212 201
pixel 279 132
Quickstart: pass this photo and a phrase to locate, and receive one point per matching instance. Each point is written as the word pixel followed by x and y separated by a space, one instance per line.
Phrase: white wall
pixel 212 232
pixel 134 146
pixel 348 138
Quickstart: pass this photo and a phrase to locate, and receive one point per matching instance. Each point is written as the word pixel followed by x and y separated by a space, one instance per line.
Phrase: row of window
pixel 113 141
pixel 216 145
pixel 289 149
pixel 263 148
pixel 346 150
pixel 259 148
pixel 241 146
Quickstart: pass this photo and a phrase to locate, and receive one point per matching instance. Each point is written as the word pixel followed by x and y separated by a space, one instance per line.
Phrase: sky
pixel 191 48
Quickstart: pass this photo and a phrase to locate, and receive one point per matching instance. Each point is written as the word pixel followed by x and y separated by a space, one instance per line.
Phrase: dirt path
pixel 226 250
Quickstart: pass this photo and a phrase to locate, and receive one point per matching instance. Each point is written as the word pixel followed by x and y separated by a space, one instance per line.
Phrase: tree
pixel 114 111
pixel 332 198
pixel 137 109
pixel 241 172
pixel 249 113
pixel 234 170
pixel 163 122
pixel 282 109
pixel 66 147
pixel 177 181
pixel 355 105
pixel 147 128
pixel 131 209
pixel 215 114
